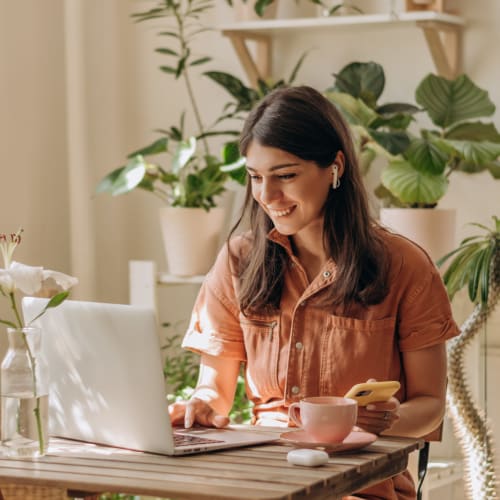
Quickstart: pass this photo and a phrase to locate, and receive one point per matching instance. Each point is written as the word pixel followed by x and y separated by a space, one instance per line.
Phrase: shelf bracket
pixel 445 44
pixel 256 66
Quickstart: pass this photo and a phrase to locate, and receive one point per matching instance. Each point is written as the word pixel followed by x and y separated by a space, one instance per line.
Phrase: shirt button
pixel 299 345
pixel 327 274
pixel 295 389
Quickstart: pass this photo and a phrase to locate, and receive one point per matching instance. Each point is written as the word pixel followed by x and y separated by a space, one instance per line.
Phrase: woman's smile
pixel 292 191
pixel 281 212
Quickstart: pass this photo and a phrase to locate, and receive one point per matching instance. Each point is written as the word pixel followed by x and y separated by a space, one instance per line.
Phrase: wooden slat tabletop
pixel 259 472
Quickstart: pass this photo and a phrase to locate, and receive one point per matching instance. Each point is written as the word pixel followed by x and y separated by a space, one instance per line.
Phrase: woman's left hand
pixel 378 417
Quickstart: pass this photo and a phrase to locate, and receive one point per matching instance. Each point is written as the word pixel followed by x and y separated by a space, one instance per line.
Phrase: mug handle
pixel 294 414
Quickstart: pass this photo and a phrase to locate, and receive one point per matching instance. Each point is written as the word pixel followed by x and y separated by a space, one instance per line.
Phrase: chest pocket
pixel 262 341
pixel 355 350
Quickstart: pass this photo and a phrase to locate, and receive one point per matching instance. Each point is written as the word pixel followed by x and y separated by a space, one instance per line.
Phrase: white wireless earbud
pixel 336 180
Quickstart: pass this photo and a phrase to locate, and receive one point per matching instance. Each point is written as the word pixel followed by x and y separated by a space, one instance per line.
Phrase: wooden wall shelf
pixel 443 34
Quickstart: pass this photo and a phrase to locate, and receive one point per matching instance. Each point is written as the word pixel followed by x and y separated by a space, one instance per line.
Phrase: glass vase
pixel 24 397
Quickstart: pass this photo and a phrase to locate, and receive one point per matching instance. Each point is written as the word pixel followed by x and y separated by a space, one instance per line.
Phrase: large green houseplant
pixel 193 177
pixel 420 162
pixel 420 159
pixel 474 264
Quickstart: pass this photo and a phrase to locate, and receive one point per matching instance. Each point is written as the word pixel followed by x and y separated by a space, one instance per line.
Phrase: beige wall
pixel 79 88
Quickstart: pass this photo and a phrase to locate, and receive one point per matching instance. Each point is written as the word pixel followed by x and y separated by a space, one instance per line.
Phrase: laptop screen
pixel 106 377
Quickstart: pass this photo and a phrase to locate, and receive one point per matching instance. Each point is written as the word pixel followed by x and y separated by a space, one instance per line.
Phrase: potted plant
pixel 417 175
pixel 267 8
pixel 193 178
pixel 191 181
pixel 474 264
pixel 261 9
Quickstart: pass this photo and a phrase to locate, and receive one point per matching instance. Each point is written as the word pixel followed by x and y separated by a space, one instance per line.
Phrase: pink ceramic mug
pixel 326 419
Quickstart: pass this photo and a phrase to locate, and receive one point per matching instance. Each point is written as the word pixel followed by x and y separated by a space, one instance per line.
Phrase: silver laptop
pixel 106 381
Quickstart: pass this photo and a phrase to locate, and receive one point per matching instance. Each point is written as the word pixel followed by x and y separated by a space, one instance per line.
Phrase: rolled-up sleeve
pixel 214 327
pixel 425 316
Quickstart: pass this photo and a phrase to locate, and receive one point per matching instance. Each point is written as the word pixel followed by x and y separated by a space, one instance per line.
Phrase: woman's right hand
pixel 195 411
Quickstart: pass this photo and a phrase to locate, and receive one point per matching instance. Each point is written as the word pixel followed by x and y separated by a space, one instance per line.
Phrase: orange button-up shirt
pixel 307 349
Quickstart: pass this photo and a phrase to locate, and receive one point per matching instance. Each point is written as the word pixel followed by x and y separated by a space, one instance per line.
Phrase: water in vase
pixel 24 425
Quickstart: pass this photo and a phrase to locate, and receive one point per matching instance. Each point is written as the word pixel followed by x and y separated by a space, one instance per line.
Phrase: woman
pixel 317 297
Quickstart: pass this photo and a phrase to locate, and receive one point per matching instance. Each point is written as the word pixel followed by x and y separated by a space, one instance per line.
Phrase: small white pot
pixel 431 228
pixel 191 238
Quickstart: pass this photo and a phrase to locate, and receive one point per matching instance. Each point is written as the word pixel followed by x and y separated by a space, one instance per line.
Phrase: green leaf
pixel 260 6
pixel 296 68
pixel 396 108
pixel 471 263
pixel 166 51
pixel 55 301
pixel 477 153
pixel 394 142
pixel 412 187
pixel 239 175
pixel 486 272
pixel 181 65
pixel 244 95
pixel 230 152
pixel 168 69
pixel 450 101
pixel 123 179
pixel 184 152
pixel 494 168
pixel 107 183
pixel 473 131
pixel 130 176
pixel 355 109
pixel 156 147
pixel 426 157
pixel 202 60
pixel 169 33
pixel 365 81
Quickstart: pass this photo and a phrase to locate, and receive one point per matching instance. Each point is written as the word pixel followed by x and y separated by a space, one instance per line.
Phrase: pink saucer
pixel 354 441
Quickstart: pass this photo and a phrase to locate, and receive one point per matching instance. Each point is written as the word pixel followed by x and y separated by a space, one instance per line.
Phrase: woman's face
pixel 290 190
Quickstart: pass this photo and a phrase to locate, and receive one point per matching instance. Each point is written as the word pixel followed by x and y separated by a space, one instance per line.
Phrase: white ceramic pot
pixel 244 11
pixel 431 228
pixel 191 238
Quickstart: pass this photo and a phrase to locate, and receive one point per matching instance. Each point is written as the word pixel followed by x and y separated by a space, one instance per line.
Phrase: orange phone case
pixel 372 392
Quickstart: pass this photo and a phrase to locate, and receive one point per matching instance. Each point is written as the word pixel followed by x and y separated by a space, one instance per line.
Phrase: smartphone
pixel 373 392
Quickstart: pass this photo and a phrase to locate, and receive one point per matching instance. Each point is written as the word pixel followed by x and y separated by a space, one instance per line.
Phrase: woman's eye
pixel 254 177
pixel 286 176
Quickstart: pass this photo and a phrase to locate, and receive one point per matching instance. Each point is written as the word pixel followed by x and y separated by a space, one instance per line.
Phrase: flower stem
pixel 36 411
pixel 14 308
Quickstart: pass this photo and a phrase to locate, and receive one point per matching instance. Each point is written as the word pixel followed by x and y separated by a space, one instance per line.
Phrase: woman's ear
pixel 338 167
pixel 340 161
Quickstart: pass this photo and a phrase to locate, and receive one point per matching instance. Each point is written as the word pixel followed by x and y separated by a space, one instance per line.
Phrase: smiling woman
pixel 317 297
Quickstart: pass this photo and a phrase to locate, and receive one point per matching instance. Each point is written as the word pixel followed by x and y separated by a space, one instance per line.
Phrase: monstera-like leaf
pixel 451 101
pixel 413 187
pixel 379 129
pixel 365 81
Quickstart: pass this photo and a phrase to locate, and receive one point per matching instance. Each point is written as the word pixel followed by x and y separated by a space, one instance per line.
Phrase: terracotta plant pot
pixel 431 228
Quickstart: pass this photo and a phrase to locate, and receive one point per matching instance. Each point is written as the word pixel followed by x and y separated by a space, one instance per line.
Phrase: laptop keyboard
pixel 189 439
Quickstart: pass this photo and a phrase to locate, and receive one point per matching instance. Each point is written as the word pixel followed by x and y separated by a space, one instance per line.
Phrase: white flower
pixel 30 280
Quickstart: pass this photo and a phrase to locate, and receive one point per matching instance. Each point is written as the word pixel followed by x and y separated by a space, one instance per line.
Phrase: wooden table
pixel 259 472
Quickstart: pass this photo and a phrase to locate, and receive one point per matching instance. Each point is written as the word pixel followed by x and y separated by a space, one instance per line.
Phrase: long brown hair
pixel 303 122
